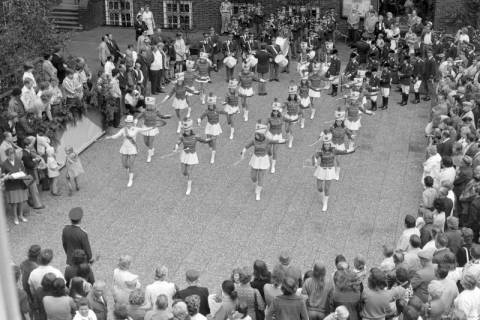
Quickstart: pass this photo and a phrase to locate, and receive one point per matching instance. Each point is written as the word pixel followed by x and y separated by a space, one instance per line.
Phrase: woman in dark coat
pixel 15 189
pixel 263 67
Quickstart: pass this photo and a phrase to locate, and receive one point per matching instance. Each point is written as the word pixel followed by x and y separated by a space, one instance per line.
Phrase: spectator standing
pixel 97 300
pixel 75 237
pixel 193 289
pixel 289 305
pixel 158 287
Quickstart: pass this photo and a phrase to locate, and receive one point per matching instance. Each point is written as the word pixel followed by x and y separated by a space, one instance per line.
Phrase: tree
pixel 26 34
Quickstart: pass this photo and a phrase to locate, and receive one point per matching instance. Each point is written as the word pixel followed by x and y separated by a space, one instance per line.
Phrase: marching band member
pixel 334 72
pixel 405 75
pixel 259 161
pixel 188 156
pixel 305 100
pixel 340 133
pixel 292 106
pixel 244 43
pixel 230 48
pixel 385 84
pixel 315 82
pixel 214 42
pixel 274 133
pixel 231 105
pixel 274 50
pixel 129 148
pixel 203 77
pixel 263 58
pixel 327 168
pixel 179 92
pixel 189 77
pixel 372 86
pixel 304 59
pixel 245 78
pixel 207 47
pixel 417 76
pixel 351 69
pixel 151 120
pixel 354 106
pixel 213 128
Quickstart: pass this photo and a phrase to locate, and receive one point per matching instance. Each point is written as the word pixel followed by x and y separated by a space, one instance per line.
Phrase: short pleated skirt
pixel 292 118
pixel 305 102
pixel 151 133
pixel 314 93
pixel 16 196
pixel 339 147
pixel 259 163
pixel 179 104
pixel 189 94
pixel 204 79
pixel 353 125
pixel 213 129
pixel 245 92
pixel 325 173
pixel 273 137
pixel 231 109
pixel 188 158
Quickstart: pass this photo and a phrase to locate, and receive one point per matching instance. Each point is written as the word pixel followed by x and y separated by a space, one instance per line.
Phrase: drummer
pixel 274 50
pixel 334 72
pixel 230 49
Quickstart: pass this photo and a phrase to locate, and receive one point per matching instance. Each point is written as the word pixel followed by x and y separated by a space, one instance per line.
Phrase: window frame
pixel 178 14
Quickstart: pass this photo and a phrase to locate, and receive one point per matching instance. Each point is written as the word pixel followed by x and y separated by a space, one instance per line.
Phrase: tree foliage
pixel 26 33
pixel 466 13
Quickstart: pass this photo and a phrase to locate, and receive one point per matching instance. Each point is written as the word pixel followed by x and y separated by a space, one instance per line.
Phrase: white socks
pixel 302 123
pixel 212 158
pixel 325 203
pixel 272 168
pixel 232 130
pixel 179 128
pixel 130 180
pixel 313 114
pixel 149 156
pixel 189 110
pixel 189 187
pixel 290 141
pixel 258 191
pixel 245 115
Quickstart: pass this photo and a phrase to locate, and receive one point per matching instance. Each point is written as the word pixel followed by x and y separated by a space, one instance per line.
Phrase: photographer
pixel 133 101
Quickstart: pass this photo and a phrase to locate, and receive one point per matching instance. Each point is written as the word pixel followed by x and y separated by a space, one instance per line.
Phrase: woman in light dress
pixel 129 147
pixel 124 281
pixel 147 17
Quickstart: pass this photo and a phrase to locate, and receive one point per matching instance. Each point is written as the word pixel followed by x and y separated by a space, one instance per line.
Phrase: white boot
pixel 153 151
pixel 130 180
pixel 325 203
pixel 245 115
pixel 189 110
pixel 313 114
pixel 302 123
pixel 189 187
pixel 203 98
pixel 232 130
pixel 290 141
pixel 272 168
pixel 149 156
pixel 212 158
pixel 258 191
pixel 179 128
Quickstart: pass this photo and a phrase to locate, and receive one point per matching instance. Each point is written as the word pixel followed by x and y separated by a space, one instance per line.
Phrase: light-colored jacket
pixel 103 52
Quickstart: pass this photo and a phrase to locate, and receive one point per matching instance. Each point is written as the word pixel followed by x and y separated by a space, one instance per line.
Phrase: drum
pixel 311 54
pixel 281 60
pixel 361 73
pixel 230 61
pixel 252 61
pixel 284 45
pixel 301 67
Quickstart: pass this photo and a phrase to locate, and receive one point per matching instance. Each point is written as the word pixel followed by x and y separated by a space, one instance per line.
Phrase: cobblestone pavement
pixel 220 225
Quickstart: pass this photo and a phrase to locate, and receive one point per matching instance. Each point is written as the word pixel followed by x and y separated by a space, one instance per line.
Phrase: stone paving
pixel 220 225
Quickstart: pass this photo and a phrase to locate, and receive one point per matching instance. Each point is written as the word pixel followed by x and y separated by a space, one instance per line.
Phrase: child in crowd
pixel 387 264
pixel 74 169
pixel 53 171
pixel 341 313
pixel 84 312
pixel 360 270
pixel 242 312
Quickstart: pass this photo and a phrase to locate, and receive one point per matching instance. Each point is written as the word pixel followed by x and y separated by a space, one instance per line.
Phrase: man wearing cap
pixel 333 72
pixel 74 237
pixel 191 277
pixel 424 276
pixel 226 13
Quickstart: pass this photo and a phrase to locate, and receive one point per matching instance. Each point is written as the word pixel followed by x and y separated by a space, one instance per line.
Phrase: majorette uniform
pixel 203 66
pixel 292 107
pixel 232 99
pixel 352 122
pixel 179 93
pixel 259 160
pixel 339 133
pixel 326 167
pixel 246 80
pixel 274 132
pixel 213 127
pixel 315 85
pixel 303 93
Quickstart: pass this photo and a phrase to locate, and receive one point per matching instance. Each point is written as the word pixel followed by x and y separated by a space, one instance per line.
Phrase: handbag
pixel 259 314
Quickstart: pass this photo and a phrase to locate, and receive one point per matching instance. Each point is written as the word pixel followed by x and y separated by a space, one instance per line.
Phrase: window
pixel 177 14
pixel 119 13
pixel 241 5
pixel 308 11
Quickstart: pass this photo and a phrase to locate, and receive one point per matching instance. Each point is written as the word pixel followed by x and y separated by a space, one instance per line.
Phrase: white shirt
pixel 431 167
pixel 157 63
pixel 28 98
pixel 404 241
pixel 468 301
pixel 199 316
pixel 91 316
pixel 109 67
pixel 152 291
pixel 36 276
pixel 29 75
pixel 447 174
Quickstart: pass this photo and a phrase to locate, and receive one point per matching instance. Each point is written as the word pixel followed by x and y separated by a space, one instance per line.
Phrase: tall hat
pixel 180 76
pixel 327 137
pixel 276 105
pixel 203 55
pixel 211 99
pixel 311 55
pixel 129 119
pixel 339 114
pixel 232 84
pixel 292 88
pixel 190 64
pixel 150 101
pixel 261 128
pixel 187 124
pixel 303 45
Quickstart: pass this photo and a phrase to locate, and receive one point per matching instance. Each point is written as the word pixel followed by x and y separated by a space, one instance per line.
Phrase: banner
pixel 80 135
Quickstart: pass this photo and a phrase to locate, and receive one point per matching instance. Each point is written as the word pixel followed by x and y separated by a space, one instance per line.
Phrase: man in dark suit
pixel 74 237
pixel 113 47
pixel 274 49
pixel 193 289
pixel 59 63
pixel 97 300
pixel 445 147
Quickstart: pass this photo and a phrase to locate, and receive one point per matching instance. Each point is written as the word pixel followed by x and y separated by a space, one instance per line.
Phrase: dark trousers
pixel 352 35
pixel 229 72
pixel 273 70
pixel 155 78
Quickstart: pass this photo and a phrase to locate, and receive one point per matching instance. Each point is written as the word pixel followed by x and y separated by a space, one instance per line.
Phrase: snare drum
pixel 230 62
pixel 281 60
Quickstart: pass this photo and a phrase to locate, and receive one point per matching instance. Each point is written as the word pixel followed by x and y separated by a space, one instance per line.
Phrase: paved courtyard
pixel 220 225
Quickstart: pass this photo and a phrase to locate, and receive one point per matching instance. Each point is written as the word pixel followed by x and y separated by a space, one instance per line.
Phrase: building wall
pixel 443 8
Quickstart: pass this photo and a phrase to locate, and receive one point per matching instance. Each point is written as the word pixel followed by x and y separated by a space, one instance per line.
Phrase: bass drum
pixel 284 45
pixel 230 61
pixel 281 60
